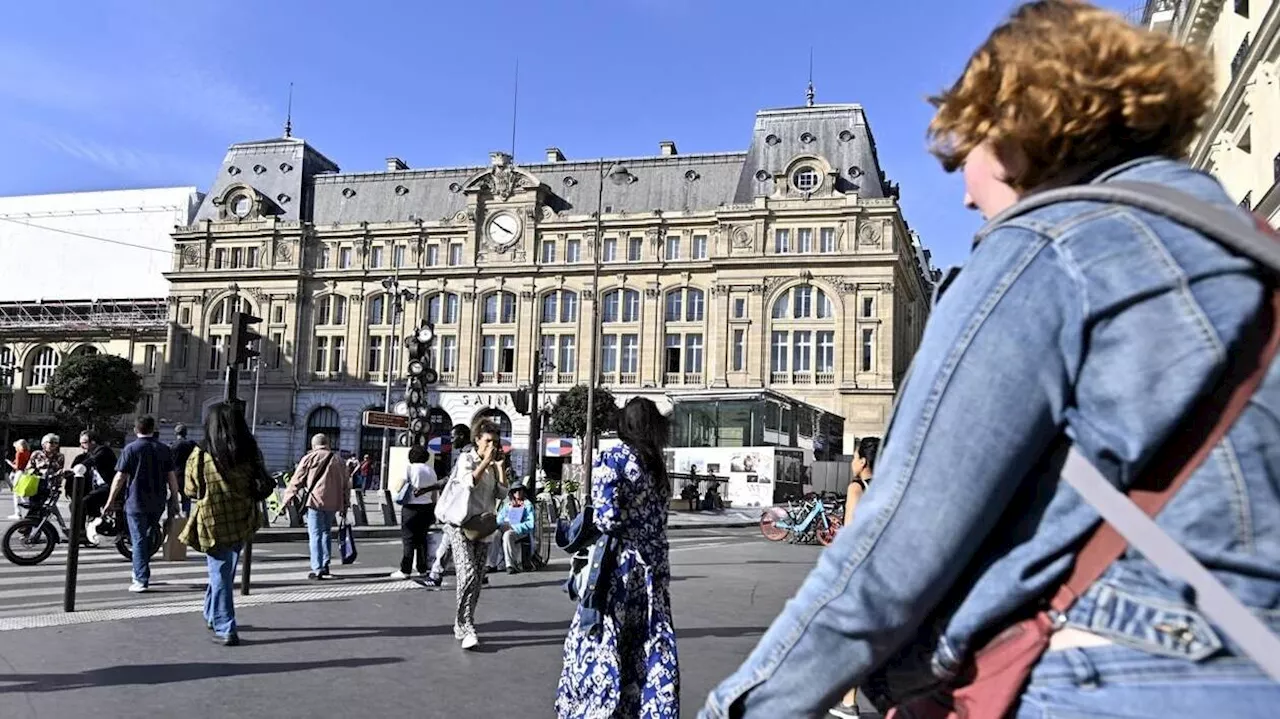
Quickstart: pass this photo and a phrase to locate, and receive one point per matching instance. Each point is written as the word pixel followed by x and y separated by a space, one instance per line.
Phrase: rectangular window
pixel 802 302
pixel 448 353
pixel 325 257
pixel 183 348
pixel 609 354
pixel 549 311
pixel 433 255
pixel 277 349
pixel 375 354
pixel 673 354
pixel 699 247
pixel 573 250
pixel 630 354
pixel 673 247
pixel 322 354
pixel 184 316
pixel 338 354
pixel 802 349
pixel 148 404
pixel 693 353
pixel 252 257
pixel 635 249
pixel 549 347
pixel 455 254
pixel 739 350
pixel 739 308
pixel 344 258
pixel 804 240
pixel 778 352
pixel 375 257
pixel 277 314
pixel 609 252
pixel 868 306
pixel 149 359
pixel 868 338
pixel 219 258
pixel 508 354
pixel 675 300
pixel 37 403
pixel 237 257
pixel 696 306
pixel 782 241
pixel 631 306
pixel 826 359
pixel 217 348
pixel 397 256
pixel 548 251
pixel 827 239
pixel 489 354
pixel 568 354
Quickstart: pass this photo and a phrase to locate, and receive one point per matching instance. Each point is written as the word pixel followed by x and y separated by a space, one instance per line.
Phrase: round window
pixel 241 206
pixel 806 179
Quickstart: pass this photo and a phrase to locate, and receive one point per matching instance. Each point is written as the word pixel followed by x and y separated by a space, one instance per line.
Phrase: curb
pixel 271 536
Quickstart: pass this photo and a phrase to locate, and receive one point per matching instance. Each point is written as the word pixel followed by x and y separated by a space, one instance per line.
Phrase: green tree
pixel 569 416
pixel 92 391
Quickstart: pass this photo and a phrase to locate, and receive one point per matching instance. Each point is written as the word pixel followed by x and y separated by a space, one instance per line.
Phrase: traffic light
pixel 421 375
pixel 520 400
pixel 243 339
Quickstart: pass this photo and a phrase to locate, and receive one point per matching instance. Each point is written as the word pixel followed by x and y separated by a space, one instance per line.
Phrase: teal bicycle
pixel 812 518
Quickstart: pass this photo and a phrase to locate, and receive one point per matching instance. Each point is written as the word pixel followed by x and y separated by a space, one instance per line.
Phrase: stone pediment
pixel 502 182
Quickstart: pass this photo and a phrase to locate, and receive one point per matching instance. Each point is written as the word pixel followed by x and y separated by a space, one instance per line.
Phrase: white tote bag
pixel 453 507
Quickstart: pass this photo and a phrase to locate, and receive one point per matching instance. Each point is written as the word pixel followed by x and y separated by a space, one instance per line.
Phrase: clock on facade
pixel 503 230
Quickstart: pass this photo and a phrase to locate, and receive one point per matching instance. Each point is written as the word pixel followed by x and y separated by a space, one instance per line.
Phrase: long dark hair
pixel 228 439
pixel 868 448
pixel 646 431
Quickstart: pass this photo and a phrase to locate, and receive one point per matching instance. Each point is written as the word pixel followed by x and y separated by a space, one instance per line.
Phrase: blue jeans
pixel 140 524
pixel 219 595
pixel 1116 681
pixel 319 522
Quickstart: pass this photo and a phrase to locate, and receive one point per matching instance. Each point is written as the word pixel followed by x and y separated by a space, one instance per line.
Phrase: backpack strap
pixel 1227 227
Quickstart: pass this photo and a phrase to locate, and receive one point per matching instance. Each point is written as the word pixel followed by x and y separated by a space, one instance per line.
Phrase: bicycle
pixel 813 518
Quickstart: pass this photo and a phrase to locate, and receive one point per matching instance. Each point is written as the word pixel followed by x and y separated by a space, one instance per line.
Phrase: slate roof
pixel 317 191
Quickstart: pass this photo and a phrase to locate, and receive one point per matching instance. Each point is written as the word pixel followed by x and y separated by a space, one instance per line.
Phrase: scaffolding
pixel 71 316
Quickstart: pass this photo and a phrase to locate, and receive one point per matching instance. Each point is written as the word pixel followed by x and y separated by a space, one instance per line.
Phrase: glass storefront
pixel 756 421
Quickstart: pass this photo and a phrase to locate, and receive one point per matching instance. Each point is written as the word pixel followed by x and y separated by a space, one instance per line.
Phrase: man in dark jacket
pixel 100 459
pixel 182 449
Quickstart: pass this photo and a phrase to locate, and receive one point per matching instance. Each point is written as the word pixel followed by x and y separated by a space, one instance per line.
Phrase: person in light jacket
pixel 515 524
pixel 324 487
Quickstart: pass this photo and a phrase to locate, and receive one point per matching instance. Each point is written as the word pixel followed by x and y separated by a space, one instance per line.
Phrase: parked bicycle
pixel 814 517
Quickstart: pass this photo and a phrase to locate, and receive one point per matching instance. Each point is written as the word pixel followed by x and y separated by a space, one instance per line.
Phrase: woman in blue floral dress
pixel 626 666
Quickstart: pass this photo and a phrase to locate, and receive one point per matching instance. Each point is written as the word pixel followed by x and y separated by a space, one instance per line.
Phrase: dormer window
pixel 806 179
pixel 241 205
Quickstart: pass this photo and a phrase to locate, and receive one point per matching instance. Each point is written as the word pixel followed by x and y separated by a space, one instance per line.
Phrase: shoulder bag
pixel 998 672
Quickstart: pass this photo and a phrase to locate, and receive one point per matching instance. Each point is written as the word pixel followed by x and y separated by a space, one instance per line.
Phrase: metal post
pixel 535 427
pixel 257 379
pixel 73 548
pixel 589 441
pixel 248 568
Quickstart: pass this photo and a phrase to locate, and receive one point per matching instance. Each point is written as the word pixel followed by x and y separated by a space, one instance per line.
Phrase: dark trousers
pixel 416 520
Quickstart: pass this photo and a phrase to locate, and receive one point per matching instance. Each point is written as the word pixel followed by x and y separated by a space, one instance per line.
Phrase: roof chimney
pixel 554 155
pixel 395 164
pixel 667 148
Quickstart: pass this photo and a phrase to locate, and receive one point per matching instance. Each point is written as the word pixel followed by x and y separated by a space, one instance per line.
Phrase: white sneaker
pixel 469 641
pixel 137 587
pixel 15 516
pixel 458 634
pixel 399 575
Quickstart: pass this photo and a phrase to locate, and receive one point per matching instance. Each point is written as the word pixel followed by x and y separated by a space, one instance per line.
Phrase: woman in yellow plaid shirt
pixel 224 516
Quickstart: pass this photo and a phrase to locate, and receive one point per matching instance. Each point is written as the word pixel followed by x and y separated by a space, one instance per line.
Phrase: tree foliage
pixel 92 391
pixel 569 416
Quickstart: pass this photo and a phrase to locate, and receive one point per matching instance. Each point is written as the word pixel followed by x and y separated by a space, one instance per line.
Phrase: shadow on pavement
pixel 151 674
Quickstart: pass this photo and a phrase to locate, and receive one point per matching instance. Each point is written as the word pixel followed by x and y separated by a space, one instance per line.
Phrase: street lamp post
pixel 619 175
pixel 397 297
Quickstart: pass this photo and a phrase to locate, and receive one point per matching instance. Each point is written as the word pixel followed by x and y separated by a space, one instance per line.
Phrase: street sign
pixel 373 418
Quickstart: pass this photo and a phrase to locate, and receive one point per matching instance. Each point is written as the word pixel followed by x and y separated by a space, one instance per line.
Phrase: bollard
pixel 388 509
pixel 73 549
pixel 359 517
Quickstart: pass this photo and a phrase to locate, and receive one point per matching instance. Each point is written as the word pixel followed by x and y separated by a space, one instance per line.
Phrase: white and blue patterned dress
pixel 629 667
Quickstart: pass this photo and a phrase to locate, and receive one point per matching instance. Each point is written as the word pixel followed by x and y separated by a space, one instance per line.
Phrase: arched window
pixel 802 337
pixel 560 307
pixel 442 308
pixel 224 308
pixel 499 308
pixel 331 310
pixel 43 363
pixel 324 420
pixel 686 304
pixel 84 351
pixel 621 306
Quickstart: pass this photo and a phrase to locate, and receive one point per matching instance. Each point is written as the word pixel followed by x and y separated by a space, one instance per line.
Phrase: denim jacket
pixel 1084 322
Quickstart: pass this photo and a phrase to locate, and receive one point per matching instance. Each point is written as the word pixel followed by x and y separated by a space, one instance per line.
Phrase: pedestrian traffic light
pixel 244 339
pixel 520 400
pixel 419 346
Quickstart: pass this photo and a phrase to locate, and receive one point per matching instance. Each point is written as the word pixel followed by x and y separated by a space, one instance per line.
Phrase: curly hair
pixel 1072 86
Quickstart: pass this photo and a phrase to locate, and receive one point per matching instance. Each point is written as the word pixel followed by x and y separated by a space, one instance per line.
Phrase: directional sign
pixel 388 420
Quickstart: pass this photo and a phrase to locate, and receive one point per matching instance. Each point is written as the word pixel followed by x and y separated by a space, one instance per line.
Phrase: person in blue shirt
pixel 515 524
pixel 145 474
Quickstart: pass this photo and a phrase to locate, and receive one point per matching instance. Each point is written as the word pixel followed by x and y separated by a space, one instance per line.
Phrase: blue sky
pixel 101 94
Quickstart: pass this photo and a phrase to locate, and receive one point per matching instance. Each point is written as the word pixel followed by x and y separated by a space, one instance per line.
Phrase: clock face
pixel 504 229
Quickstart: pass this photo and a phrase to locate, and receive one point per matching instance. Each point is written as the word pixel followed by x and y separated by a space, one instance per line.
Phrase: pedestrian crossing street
pixel 103 578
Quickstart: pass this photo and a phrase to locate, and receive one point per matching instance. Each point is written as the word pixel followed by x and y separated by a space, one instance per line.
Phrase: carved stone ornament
pixel 257 294
pixel 356 298
pixel 653 235
pixel 742 238
pixel 886 287
pixel 190 256
pixel 547 213
pixel 621 278
pixel 721 290
pixel 284 252
pixel 469 296
pixel 653 292
pixel 771 282
pixel 526 294
pixel 202 298
pixel 504 181
pixel 587 295
pixel 869 234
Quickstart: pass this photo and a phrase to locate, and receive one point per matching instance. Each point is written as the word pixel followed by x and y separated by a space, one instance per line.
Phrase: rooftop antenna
pixel 288 118
pixel 515 106
pixel 809 93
